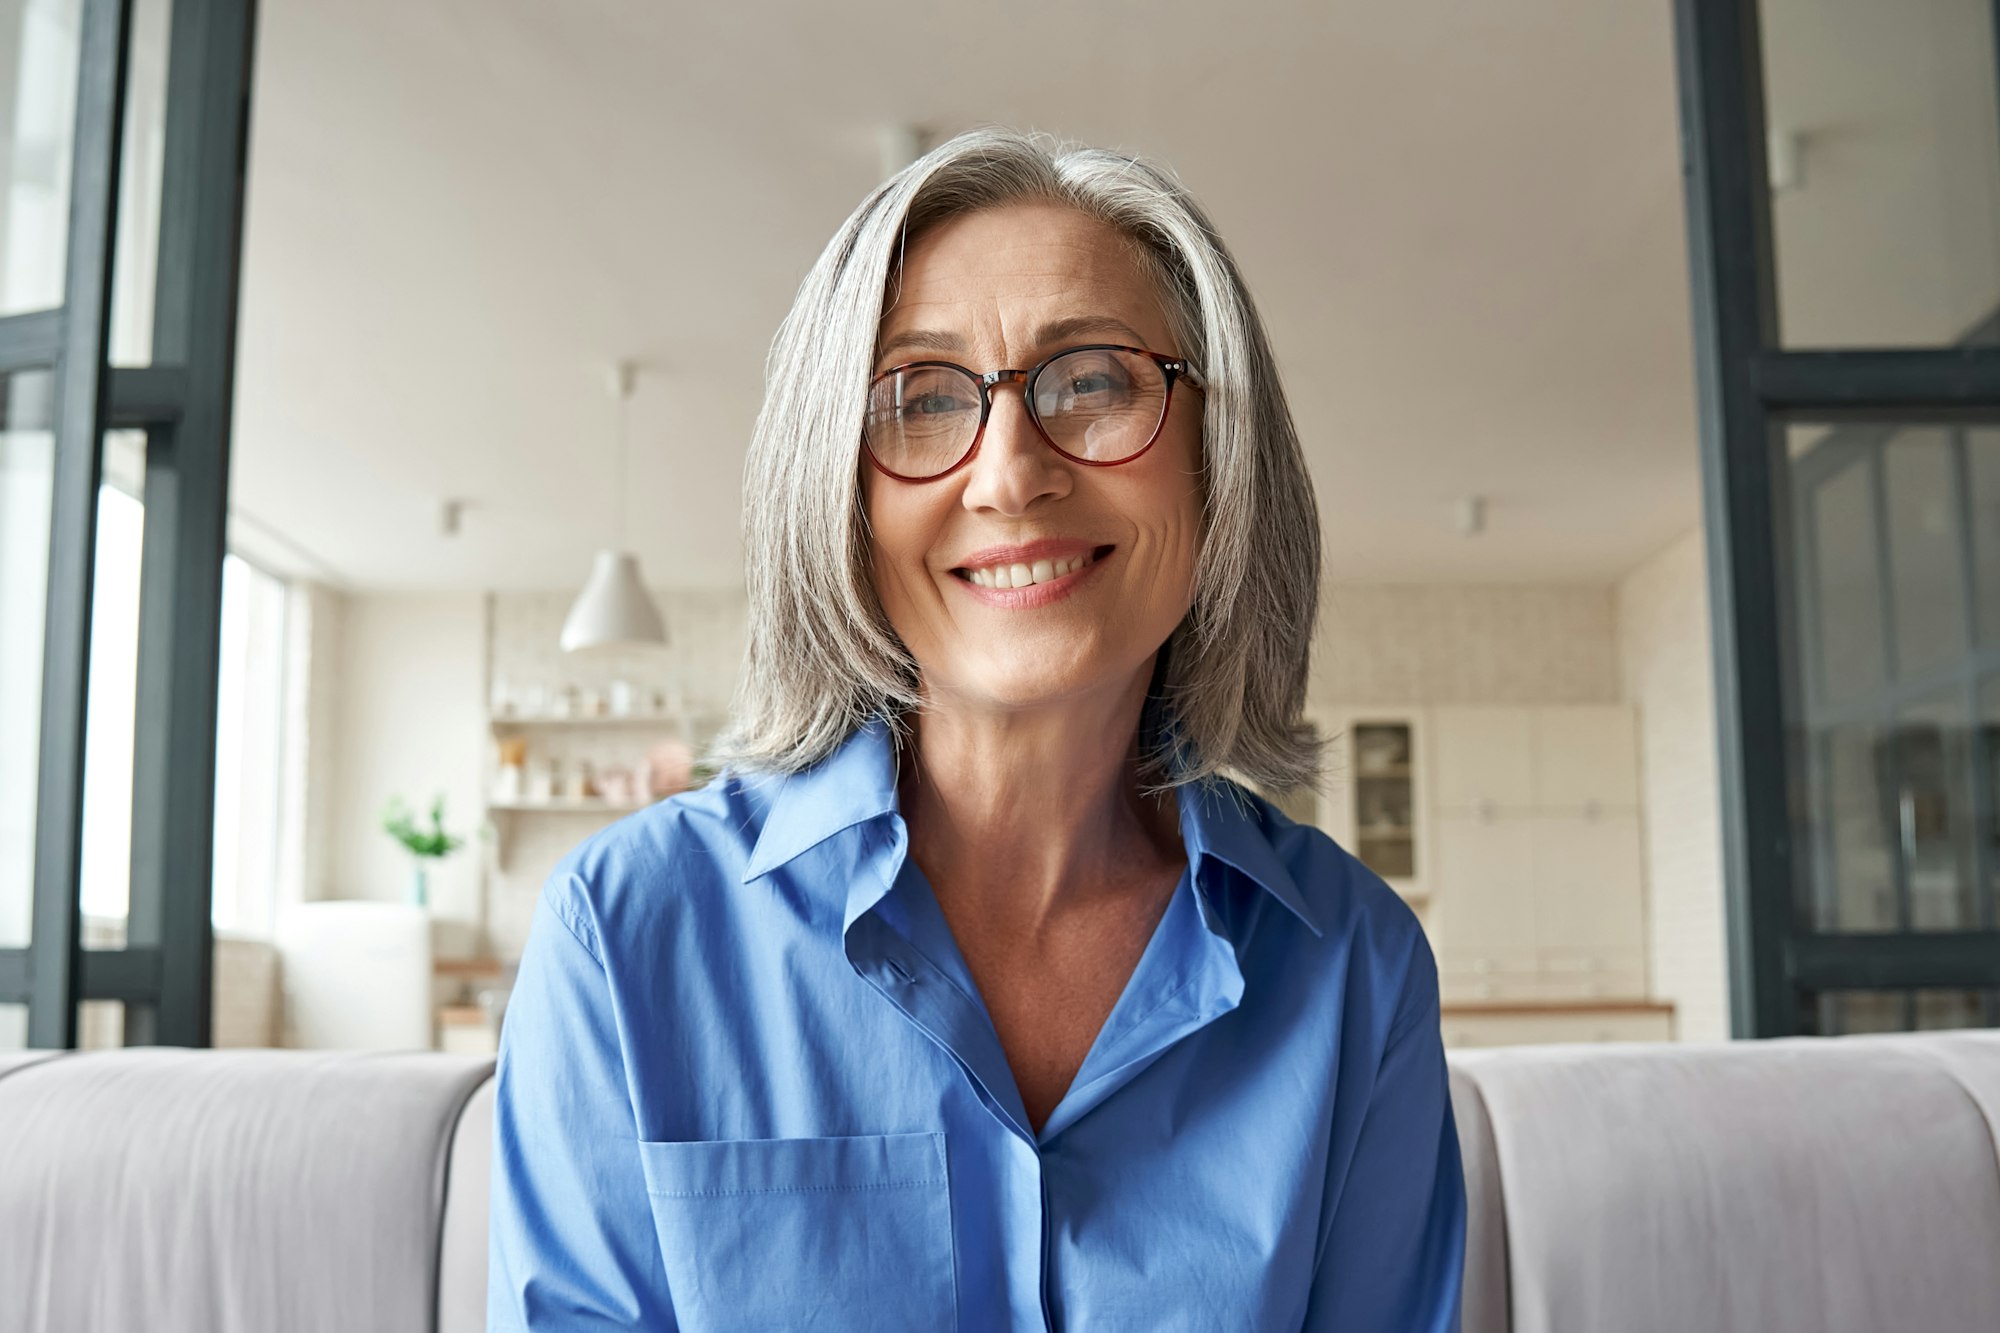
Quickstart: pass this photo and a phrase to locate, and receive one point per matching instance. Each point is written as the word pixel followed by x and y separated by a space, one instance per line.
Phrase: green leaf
pixel 399 823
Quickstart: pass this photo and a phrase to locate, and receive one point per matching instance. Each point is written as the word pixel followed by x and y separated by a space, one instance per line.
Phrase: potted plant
pixel 425 845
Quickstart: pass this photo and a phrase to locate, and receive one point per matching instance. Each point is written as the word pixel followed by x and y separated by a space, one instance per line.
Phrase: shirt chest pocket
pixel 806 1234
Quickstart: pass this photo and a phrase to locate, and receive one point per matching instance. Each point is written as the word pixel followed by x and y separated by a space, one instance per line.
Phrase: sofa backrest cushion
pixel 1803 1185
pixel 226 1191
pixel 462 1252
pixel 1484 1303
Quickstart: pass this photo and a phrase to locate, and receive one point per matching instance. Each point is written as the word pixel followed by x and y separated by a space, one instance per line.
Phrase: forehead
pixel 1001 270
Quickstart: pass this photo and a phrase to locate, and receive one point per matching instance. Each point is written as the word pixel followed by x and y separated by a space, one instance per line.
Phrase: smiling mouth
pixel 1026 574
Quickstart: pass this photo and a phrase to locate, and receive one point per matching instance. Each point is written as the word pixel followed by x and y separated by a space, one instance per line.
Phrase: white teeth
pixel 1022 575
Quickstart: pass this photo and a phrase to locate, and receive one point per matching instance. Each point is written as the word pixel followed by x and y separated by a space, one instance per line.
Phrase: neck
pixel 1025 818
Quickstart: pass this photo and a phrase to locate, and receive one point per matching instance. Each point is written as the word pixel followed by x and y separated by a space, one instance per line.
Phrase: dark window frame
pixel 183 403
pixel 1751 388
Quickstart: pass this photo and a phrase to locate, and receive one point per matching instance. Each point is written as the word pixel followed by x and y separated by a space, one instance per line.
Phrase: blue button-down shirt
pixel 746 1082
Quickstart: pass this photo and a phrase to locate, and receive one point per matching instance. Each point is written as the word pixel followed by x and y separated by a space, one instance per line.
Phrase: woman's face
pixel 1005 288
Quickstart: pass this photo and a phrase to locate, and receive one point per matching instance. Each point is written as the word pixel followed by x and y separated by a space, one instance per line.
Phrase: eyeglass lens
pixel 1099 405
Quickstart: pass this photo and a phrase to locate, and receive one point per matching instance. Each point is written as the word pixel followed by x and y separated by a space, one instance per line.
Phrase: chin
pixel 1020 677
pixel 1023 690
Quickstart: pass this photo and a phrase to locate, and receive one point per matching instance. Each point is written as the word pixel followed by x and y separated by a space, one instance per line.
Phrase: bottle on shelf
pixel 510 780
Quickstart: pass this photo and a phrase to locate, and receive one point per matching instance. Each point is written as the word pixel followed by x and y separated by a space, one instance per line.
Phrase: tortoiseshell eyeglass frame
pixel 1173 367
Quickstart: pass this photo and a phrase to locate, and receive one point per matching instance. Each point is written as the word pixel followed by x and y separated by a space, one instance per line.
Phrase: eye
pixel 1083 384
pixel 930 404
pixel 1089 380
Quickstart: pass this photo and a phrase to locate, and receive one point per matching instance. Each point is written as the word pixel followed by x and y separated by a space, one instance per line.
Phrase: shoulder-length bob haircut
pixel 822 658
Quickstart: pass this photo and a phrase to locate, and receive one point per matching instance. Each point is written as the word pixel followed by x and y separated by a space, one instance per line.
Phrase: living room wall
pixel 410 718
pixel 1663 654
pixel 1485 643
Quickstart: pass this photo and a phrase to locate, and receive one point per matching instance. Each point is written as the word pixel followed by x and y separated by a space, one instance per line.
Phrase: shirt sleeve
pixel 1394 1254
pixel 571 1238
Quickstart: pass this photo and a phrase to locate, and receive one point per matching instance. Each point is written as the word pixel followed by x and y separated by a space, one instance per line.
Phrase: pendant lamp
pixel 614 610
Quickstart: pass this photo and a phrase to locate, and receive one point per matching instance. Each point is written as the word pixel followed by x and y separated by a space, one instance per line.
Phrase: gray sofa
pixel 1798 1186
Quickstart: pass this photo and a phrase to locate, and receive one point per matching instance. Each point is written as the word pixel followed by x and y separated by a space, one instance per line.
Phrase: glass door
pixel 122 129
pixel 1844 229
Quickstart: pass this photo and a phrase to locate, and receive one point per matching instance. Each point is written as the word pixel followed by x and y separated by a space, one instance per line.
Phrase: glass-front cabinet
pixel 1375 802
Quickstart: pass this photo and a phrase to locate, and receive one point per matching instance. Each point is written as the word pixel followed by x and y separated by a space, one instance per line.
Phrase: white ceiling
pixel 1463 224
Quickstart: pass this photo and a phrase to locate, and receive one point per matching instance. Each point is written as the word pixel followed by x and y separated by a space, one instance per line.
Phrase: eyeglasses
pixel 1098 405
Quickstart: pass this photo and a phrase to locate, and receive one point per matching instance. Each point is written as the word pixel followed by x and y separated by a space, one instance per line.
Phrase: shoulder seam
pixel 579 931
pixel 1411 972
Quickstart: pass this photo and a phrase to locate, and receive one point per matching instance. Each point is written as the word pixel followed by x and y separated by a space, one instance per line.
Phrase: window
pixel 249 732
pixel 78 555
pixel 250 749
pixel 1849 358
pixel 113 698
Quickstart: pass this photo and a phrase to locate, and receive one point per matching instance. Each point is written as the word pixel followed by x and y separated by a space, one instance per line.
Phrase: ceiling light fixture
pixel 614 610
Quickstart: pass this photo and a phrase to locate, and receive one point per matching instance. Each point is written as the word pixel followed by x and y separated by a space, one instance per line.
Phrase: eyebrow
pixel 1055 331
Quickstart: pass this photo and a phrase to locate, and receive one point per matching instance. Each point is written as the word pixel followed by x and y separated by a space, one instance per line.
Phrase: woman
pixel 973 996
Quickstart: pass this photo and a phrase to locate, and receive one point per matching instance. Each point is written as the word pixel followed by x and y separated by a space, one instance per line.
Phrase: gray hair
pixel 822 657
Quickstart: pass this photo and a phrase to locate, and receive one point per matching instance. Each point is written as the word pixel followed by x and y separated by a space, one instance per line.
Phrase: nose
pixel 1014 467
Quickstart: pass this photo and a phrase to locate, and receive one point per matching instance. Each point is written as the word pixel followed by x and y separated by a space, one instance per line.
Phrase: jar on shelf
pixel 510 779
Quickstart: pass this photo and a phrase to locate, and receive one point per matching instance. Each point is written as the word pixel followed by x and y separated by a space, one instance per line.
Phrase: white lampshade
pixel 614 610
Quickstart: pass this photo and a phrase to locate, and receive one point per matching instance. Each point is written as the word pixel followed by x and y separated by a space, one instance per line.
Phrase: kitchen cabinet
pixel 1585 756
pixel 1376 801
pixel 1530 843
pixel 1472 1026
pixel 1484 759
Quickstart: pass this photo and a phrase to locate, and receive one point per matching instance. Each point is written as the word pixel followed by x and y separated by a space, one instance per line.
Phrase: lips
pixel 1031 574
pixel 1051 551
pixel 1026 573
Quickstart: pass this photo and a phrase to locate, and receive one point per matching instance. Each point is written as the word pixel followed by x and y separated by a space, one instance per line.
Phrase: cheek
pixel 901 524
pixel 1174 498
pixel 1183 537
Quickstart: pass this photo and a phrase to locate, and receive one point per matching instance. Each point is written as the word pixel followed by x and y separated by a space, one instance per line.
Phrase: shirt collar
pixel 1221 821
pixel 856 785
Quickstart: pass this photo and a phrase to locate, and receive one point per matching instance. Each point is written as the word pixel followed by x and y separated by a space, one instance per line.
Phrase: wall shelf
pixel 576 806
pixel 501 814
pixel 539 721
pixel 479 966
